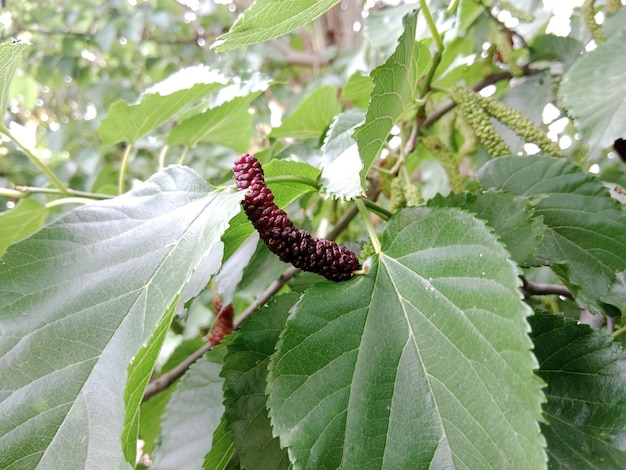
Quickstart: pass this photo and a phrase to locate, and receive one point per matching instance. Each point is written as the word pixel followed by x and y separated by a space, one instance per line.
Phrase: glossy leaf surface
pixel 424 362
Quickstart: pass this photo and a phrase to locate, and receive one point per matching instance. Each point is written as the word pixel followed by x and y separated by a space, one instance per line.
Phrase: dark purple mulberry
pixel 291 244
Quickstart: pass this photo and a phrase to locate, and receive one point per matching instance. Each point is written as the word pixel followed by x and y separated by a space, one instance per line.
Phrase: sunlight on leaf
pixel 10 57
pixel 267 19
pixel 18 223
pixel 593 92
pixel 341 163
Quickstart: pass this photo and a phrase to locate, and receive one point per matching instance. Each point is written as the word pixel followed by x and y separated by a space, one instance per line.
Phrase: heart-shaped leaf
pixel 424 362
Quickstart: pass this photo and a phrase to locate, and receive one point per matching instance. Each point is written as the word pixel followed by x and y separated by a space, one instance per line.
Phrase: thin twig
pixel 530 288
pixel 293 57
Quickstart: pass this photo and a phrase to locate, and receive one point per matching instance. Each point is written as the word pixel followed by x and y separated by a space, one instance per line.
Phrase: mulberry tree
pixel 314 234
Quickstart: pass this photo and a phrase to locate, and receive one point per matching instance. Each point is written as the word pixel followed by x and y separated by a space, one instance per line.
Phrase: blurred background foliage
pixel 85 55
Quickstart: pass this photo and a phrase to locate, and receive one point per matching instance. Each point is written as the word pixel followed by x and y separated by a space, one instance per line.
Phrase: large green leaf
pixel 244 372
pixel 79 299
pixel 192 415
pixel 585 238
pixel 593 92
pixel 312 117
pixel 18 223
pixel 424 362
pixel 585 371
pixel 267 19
pixel 396 87
pixel 10 58
pixel 512 218
pixel 127 123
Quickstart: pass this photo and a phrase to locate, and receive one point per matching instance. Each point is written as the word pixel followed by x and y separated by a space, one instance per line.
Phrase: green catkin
pixel 403 195
pixel 470 105
pixel 521 125
pixel 446 128
pixel 447 160
pixel 367 250
pixel 397 200
pixel 502 43
pixel 413 196
pixel 613 5
pixel 588 13
pixel 470 142
pixel 516 12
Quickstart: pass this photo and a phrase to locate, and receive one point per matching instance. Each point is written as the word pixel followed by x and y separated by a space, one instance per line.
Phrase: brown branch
pixel 293 57
pixel 530 288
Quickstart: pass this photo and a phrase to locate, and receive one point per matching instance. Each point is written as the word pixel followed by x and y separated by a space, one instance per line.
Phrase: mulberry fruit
pixel 291 244
pixel 223 323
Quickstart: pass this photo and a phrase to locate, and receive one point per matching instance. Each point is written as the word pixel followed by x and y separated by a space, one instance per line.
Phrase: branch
pixel 293 57
pixel 530 288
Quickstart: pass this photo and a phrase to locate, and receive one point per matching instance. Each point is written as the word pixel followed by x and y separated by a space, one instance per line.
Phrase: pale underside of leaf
pixel 95 283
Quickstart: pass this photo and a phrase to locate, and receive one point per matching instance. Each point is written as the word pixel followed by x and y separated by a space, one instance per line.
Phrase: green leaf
pixel 152 410
pixel 358 90
pixel 592 90
pixel 424 362
pixel 192 415
pixel 551 47
pixel 585 238
pixel 511 217
pixel 585 371
pixel 383 27
pixel 10 57
pixel 617 294
pixel 267 19
pixel 469 12
pixel 222 449
pixel 18 223
pixel 311 119
pixel 285 192
pixel 340 157
pixel 229 124
pixel 139 373
pixel 396 87
pixel 78 300
pixel 245 372
pixel 127 123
